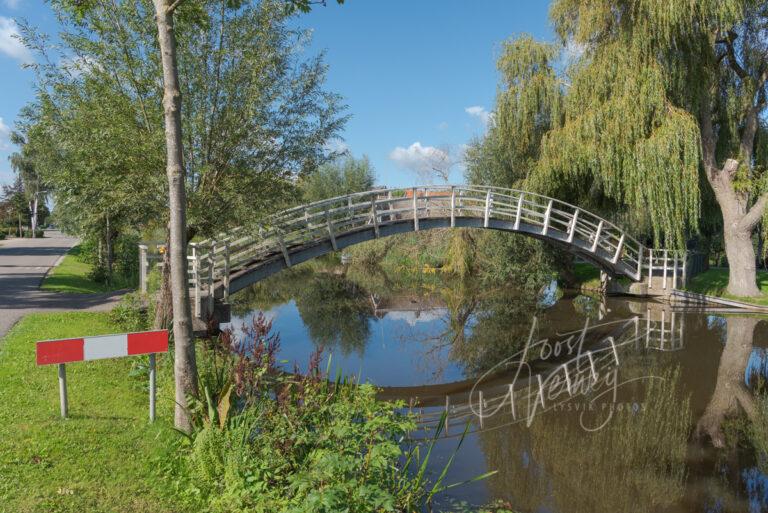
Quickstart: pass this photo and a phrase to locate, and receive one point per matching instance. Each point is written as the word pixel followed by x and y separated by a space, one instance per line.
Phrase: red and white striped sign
pixel 103 346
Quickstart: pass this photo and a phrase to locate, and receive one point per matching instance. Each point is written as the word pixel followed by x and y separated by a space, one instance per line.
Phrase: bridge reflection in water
pixel 545 374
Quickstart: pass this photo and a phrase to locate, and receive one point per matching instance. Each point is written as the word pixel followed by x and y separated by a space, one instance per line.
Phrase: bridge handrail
pixel 212 259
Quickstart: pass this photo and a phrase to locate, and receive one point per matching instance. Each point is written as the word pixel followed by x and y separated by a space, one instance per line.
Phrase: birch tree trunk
pixel 185 367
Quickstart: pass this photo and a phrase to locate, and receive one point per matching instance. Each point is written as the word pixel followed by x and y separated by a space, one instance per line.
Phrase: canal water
pixel 575 404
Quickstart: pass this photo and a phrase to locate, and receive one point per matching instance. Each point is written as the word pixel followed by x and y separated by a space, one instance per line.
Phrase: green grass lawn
pixel 72 275
pixel 106 457
pixel 714 281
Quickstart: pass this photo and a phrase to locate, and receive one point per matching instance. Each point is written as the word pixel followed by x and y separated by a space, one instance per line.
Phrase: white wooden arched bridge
pixel 235 260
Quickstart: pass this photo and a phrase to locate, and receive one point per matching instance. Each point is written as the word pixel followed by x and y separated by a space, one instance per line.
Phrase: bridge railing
pixel 212 261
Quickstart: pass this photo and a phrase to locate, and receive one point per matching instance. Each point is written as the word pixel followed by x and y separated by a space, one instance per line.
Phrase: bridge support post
pixel 664 281
pixel 487 215
pixel 547 215
pixel 650 268
pixel 674 271
pixel 519 211
pixel 330 230
pixel 143 268
pixel 375 216
pixel 597 236
pixel 226 271
pixel 572 227
pixel 639 275
pixel 415 212
pixel 209 286
pixel 286 256
pixel 453 206
pixel 619 247
pixel 196 276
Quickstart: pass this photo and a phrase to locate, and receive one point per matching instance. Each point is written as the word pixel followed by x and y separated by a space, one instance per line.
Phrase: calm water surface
pixel 578 405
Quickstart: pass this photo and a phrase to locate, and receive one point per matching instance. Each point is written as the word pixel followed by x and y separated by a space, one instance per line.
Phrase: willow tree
pixel 665 89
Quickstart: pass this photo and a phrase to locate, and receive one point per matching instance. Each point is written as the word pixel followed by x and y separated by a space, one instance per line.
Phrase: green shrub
pixel 132 313
pixel 266 441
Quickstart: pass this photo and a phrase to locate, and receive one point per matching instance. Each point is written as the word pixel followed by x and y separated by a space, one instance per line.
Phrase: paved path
pixel 23 265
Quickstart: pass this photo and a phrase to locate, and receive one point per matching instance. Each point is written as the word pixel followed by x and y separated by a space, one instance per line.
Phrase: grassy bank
pixel 106 457
pixel 714 282
pixel 74 275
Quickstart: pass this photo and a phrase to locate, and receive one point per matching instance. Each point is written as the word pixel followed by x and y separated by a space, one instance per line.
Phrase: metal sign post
pixel 152 387
pixel 60 352
pixel 63 390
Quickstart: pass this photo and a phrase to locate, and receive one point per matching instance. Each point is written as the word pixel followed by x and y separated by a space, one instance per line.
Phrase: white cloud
pixel 11 4
pixel 417 157
pixel 10 44
pixel 5 135
pixel 480 113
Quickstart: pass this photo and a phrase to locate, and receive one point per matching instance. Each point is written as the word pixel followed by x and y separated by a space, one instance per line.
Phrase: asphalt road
pixel 23 265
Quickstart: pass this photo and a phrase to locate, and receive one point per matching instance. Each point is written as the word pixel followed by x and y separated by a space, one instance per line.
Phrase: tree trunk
pixel 185 367
pixel 730 389
pixel 742 272
pixel 33 218
pixel 164 301
pixel 739 222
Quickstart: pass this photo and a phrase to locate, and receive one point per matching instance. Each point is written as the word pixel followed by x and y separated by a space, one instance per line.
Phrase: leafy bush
pixel 266 441
pixel 132 313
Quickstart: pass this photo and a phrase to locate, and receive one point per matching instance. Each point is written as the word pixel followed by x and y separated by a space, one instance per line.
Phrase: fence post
pixel 143 268
pixel 664 281
pixel 547 215
pixel 375 216
pixel 488 201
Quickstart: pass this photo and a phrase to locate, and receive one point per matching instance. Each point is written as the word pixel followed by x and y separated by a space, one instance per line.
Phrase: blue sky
pixel 419 77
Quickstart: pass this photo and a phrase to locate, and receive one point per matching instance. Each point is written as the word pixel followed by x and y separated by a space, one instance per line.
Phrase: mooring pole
pixel 63 390
pixel 152 386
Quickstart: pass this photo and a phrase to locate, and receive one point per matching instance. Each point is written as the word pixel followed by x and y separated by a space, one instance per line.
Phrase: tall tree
pixel 243 117
pixel 662 89
pixel 23 163
pixel 342 176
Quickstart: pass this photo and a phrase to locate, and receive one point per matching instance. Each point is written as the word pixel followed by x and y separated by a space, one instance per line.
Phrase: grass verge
pixel 73 275
pixel 106 457
pixel 714 281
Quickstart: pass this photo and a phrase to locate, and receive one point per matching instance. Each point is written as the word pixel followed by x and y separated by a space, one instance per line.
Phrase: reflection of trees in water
pixel 731 393
pixel 334 310
pixel 635 463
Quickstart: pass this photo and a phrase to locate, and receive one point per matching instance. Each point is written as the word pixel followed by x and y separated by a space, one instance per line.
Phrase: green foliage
pixel 97 124
pixel 338 178
pixel 132 313
pixel 714 282
pixel 275 442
